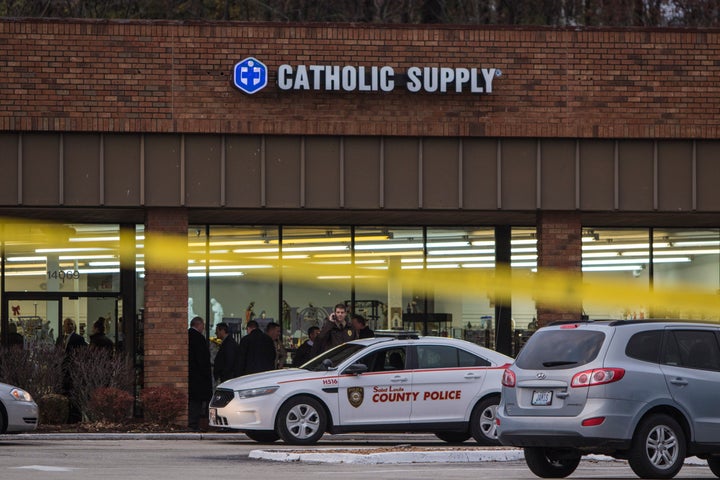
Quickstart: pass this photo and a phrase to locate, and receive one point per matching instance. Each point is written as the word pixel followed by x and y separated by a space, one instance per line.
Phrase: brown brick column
pixel 559 248
pixel 166 291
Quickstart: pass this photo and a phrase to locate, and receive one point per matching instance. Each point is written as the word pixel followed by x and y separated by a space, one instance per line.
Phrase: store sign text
pixel 251 75
pixel 334 78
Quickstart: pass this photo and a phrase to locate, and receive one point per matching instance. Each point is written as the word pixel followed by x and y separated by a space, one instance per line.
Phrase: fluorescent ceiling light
pixel 624 246
pixel 70 250
pixel 704 243
pixel 27 259
pixel 105 264
pixel 98 270
pixel 323 248
pixel 476 251
pixel 523 241
pixel 85 257
pixel 523 250
pixel 217 274
pixel 447 244
pixel 522 257
pixel 523 264
pixel 29 273
pixel 612 268
pixel 257 250
pixel 478 265
pixel 388 246
pixel 483 243
pixel 94 239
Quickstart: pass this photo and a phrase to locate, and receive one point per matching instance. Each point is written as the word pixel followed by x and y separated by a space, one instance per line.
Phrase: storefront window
pixel 616 255
pixel 56 271
pixel 63 258
pixel 686 259
pixel 382 254
pixel 523 261
pixel 316 275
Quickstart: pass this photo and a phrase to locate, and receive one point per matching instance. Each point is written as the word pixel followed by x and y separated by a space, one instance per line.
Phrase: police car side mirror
pixel 356 369
pixel 328 364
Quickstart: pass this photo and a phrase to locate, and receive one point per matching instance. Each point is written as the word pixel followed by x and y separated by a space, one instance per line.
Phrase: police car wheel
pixel 301 421
pixel 482 422
pixel 262 436
pixel 453 437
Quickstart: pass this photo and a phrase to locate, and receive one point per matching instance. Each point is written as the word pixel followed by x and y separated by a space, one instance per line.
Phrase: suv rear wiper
pixel 558 363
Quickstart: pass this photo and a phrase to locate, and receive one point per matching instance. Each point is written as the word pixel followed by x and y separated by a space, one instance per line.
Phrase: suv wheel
pixel 482 422
pixel 301 421
pixel 658 448
pixel 551 463
pixel 714 464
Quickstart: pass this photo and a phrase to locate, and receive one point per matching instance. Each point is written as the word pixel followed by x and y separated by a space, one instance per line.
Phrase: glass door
pixel 34 320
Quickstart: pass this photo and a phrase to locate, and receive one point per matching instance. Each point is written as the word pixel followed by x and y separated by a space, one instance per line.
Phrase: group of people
pixel 257 352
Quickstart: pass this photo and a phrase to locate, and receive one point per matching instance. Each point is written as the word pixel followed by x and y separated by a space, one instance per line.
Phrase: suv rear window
pixel 560 349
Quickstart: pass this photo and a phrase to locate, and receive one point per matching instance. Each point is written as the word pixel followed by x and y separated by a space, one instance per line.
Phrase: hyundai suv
pixel 646 391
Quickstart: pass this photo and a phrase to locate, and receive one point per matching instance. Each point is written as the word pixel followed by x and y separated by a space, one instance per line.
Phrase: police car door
pixel 382 395
pixel 447 382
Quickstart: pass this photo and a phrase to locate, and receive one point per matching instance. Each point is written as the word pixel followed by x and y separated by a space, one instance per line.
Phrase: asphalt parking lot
pixel 26 458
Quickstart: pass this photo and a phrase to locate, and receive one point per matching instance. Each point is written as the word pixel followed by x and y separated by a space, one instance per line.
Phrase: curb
pixel 449 456
pixel 444 456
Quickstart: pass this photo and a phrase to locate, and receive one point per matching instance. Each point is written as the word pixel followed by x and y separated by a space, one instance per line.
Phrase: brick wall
pixel 70 75
pixel 166 325
pixel 559 247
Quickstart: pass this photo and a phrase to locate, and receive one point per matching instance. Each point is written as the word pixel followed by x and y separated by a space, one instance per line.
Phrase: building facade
pixel 275 149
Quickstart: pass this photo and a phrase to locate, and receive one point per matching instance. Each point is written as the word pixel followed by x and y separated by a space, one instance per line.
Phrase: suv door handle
pixel 679 381
pixel 399 379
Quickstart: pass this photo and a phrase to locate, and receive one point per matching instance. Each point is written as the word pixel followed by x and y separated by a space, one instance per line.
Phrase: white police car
pixel 445 386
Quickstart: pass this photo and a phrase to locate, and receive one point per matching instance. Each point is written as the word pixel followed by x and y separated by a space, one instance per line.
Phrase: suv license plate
pixel 213 416
pixel 542 398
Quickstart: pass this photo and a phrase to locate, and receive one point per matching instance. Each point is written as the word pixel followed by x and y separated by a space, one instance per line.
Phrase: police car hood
pixel 272 377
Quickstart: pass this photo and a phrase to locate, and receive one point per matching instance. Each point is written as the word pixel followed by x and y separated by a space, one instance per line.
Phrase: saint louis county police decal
pixel 356 396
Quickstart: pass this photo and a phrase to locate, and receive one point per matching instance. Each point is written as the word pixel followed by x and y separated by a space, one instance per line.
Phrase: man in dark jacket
pixel 304 351
pixel 226 358
pixel 335 331
pixel 360 326
pixel 98 339
pixel 257 351
pixel 199 373
pixel 70 341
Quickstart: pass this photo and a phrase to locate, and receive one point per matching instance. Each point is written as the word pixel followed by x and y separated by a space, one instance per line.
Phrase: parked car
pixel 645 391
pixel 18 411
pixel 445 386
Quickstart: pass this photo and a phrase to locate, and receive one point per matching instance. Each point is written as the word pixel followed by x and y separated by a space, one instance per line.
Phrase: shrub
pixel 37 368
pixel 54 409
pixel 162 405
pixel 110 404
pixel 94 368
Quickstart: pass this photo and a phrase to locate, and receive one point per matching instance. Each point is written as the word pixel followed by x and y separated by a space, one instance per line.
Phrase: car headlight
pixel 20 395
pixel 256 392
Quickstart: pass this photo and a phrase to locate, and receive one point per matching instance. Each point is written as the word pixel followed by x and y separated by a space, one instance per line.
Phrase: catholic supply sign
pixel 250 76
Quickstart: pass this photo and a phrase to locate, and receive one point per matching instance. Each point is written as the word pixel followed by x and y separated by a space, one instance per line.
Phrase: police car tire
pixel 262 436
pixel 309 409
pixel 714 464
pixel 453 437
pixel 479 414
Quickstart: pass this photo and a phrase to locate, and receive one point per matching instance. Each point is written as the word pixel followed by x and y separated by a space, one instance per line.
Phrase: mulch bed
pixel 132 426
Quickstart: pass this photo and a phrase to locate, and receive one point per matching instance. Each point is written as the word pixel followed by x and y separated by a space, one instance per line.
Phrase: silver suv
pixel 646 391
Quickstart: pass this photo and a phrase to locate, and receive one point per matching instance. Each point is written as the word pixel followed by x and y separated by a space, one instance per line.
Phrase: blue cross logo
pixel 250 75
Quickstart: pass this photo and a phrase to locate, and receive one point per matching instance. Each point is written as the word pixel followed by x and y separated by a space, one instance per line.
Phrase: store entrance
pixel 37 317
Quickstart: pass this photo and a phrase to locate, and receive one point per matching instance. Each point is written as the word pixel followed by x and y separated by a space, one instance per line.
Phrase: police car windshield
pixel 337 355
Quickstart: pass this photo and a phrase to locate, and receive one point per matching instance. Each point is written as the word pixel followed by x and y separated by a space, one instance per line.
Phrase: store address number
pixel 63 274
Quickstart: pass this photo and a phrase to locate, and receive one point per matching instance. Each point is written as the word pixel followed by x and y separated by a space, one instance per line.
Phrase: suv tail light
pixel 598 376
pixel 508 379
